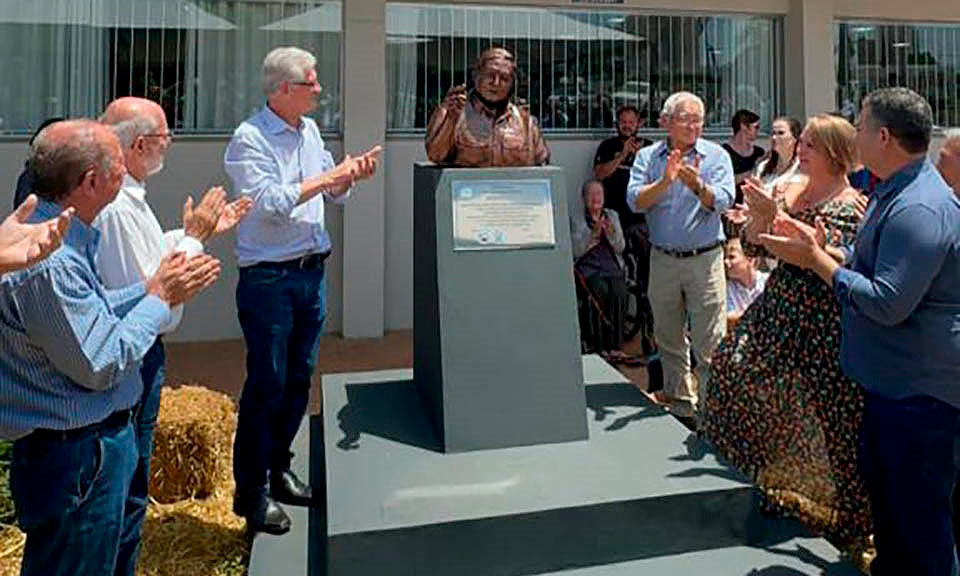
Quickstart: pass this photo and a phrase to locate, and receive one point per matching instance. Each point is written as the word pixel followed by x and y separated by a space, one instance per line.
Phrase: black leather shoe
pixel 263 516
pixel 287 488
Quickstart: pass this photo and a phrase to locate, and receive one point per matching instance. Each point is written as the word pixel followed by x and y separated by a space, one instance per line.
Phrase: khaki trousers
pixel 682 288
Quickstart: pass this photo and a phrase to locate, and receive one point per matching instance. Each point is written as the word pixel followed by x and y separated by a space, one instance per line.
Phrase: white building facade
pixel 385 65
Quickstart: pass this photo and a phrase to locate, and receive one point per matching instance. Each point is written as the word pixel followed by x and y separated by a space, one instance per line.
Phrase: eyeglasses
pixel 315 85
pixel 688 119
pixel 164 135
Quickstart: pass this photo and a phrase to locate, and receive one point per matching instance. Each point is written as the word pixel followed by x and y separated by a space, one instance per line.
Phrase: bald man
pixel 132 245
pixel 70 361
pixel 948 162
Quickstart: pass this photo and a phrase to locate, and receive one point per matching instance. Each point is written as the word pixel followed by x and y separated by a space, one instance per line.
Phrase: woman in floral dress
pixel 778 406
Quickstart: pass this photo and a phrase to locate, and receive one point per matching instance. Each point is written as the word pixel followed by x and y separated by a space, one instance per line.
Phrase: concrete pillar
pixel 810 75
pixel 364 125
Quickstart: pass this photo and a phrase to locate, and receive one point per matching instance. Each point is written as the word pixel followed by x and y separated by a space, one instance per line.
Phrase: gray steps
pixel 641 496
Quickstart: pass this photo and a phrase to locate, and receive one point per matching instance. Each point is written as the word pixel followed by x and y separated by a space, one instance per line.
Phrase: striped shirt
pixel 70 349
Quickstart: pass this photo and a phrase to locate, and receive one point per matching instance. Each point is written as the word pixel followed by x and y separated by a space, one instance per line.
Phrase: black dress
pixel 743 164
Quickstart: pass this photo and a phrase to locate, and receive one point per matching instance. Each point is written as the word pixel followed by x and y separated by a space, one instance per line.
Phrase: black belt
pixel 688 253
pixel 306 262
pixel 118 419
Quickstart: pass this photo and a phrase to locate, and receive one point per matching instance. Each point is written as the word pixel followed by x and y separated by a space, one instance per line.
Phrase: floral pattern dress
pixel 778 406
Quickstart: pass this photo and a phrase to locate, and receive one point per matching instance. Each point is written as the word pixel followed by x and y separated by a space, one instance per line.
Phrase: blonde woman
pixel 778 406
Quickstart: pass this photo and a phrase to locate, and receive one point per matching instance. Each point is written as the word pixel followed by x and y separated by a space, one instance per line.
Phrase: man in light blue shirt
pixel 70 353
pixel 278 159
pixel 899 295
pixel 683 185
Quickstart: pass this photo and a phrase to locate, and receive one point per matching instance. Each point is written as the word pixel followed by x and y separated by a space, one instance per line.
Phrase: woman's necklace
pixel 810 198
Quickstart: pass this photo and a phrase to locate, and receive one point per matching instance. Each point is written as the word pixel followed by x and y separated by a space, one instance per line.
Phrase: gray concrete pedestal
pixel 496 342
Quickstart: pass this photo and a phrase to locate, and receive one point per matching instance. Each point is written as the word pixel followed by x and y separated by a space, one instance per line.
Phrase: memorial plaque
pixel 502 214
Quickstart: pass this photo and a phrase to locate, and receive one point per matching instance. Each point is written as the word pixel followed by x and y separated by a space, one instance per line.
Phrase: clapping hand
pixel 23 244
pixel 179 278
pixel 689 174
pixel 233 213
pixel 793 241
pixel 674 165
pixel 784 225
pixel 761 205
pixel 761 208
pixel 607 224
pixel 631 146
pixel 738 214
pixel 201 222
pixel 860 204
pixel 351 169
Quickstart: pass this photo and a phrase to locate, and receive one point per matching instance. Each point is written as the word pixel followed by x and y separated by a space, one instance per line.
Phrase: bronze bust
pixel 481 127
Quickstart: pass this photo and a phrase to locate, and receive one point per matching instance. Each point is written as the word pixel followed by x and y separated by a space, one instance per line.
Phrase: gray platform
pixel 641 497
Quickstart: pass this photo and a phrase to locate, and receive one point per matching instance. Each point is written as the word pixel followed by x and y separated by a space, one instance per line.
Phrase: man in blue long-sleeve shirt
pixel 70 352
pixel 684 184
pixel 900 301
pixel 278 159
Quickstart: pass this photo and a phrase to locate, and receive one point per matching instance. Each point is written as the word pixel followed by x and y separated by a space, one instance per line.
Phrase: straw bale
pixel 11 550
pixel 192 442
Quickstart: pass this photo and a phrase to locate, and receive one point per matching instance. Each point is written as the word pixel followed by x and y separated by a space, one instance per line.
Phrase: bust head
pixel 493 74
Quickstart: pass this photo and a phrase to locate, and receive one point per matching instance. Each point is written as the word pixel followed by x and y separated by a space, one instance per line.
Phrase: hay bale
pixel 192 443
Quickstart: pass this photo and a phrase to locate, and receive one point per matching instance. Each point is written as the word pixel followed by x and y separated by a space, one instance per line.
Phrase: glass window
pixel 199 59
pixel 923 57
pixel 575 68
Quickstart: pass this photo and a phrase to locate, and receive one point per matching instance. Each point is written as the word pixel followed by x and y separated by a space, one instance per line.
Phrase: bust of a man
pixel 481 127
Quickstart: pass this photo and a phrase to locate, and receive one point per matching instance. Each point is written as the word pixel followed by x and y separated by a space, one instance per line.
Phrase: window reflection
pixel 577 67
pixel 923 57
pixel 199 59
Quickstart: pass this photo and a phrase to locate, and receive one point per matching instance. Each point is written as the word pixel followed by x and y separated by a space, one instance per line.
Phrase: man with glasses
pixel 132 245
pixel 278 159
pixel 683 184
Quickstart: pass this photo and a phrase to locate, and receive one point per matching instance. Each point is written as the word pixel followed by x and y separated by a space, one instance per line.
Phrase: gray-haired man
pixel 683 184
pixel 277 158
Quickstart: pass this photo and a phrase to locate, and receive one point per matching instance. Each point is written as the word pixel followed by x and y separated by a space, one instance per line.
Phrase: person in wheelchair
pixel 598 245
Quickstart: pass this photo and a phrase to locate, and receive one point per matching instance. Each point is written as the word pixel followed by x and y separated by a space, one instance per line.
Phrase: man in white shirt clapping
pixel 131 247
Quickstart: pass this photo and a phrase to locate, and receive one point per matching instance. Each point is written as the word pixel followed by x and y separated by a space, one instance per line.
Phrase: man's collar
pixel 479 106
pixel 134 188
pixel 78 233
pixel 698 146
pixel 900 179
pixel 274 123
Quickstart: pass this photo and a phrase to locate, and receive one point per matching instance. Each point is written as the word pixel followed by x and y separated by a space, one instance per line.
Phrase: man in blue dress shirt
pixel 684 184
pixel 70 353
pixel 899 293
pixel 277 158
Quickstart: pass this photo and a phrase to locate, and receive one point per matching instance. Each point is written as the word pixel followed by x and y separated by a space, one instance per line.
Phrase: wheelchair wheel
pixel 633 317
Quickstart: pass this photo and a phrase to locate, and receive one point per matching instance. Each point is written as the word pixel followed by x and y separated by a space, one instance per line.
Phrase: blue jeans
pixel 909 459
pixel 69 491
pixel 153 372
pixel 281 313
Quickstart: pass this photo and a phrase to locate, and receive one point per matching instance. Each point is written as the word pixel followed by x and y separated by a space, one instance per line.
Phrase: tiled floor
pixel 219 365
